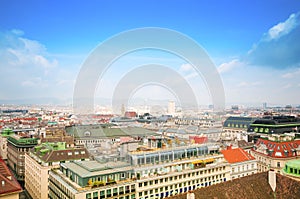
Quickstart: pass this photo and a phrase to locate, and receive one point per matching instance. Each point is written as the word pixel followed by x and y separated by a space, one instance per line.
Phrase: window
pixel 278 164
pixel 95 195
pixel 88 196
pixel 122 175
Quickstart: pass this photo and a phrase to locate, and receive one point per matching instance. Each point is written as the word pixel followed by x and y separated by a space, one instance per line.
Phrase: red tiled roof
pixel 236 155
pixel 8 183
pixel 279 149
pixel 199 140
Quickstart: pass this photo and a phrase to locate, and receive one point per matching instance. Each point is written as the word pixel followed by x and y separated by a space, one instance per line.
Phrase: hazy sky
pixel 254 44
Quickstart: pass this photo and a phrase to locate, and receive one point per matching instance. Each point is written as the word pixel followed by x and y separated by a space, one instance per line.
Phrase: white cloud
pixel 226 67
pixel 191 75
pixel 248 84
pixel 278 48
pixel 291 74
pixel 29 69
pixel 283 28
pixel 186 68
pixel 35 82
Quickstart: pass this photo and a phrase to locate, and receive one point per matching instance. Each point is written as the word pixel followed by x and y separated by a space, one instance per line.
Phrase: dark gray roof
pixel 238 122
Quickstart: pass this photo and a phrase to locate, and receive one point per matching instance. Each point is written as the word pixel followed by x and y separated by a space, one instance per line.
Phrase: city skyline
pixel 253 45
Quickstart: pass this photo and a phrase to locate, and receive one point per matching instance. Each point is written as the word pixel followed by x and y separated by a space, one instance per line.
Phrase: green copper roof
pixel 50 146
pixel 7 132
pixel 23 141
pixel 293 163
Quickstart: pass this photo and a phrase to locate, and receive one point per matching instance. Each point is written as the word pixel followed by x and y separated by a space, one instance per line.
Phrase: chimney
pixel 272 179
pixel 190 196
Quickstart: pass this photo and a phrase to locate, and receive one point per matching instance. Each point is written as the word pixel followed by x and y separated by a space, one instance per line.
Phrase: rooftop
pixel 293 163
pixel 253 186
pixel 277 149
pixel 21 141
pixel 100 131
pixel 238 122
pixel 236 155
pixel 93 168
pixel 8 183
pixel 56 152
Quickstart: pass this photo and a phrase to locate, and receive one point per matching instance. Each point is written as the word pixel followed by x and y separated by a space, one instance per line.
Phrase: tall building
pixel 16 148
pixel 44 157
pixel 9 186
pixel 171 108
pixel 156 173
pixel 265 106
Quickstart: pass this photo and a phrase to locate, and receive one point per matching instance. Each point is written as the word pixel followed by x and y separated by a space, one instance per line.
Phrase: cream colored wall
pixel 10 196
pixel 264 162
pixel 36 178
pixel 240 169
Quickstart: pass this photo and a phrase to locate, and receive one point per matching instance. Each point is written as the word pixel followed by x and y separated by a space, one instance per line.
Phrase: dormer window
pixel 87 134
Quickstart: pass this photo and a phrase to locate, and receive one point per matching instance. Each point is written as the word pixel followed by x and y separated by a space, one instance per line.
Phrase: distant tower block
pixel 171 108
pixel 265 105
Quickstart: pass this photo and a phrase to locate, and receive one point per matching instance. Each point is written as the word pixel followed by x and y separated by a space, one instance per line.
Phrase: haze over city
pixel 253 44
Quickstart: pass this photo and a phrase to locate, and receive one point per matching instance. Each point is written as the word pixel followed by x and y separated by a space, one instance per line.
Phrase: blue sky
pixel 254 44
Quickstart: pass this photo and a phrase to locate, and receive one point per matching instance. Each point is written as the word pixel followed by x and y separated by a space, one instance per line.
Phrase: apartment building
pixel 241 163
pixel 234 126
pixel 149 173
pixel 274 151
pixel 44 157
pixel 17 146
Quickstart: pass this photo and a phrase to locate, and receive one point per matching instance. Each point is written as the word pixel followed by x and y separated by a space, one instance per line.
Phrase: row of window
pixel 111 192
pixel 184 176
pixel 174 189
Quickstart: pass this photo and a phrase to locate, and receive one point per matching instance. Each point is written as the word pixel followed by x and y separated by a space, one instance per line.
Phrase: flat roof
pixel 94 168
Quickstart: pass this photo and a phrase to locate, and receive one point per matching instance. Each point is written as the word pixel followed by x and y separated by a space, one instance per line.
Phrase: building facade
pixel 158 174
pixel 274 152
pixel 17 147
pixel 44 157
pixel 233 127
pixel 241 163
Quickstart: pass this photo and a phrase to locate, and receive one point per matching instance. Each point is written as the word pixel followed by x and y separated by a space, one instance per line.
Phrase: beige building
pixel 147 174
pixel 44 157
pixel 274 152
pixel 241 163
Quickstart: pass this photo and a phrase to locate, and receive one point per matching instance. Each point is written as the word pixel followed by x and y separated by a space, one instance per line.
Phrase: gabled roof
pixel 236 155
pixel 278 149
pixel 8 183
